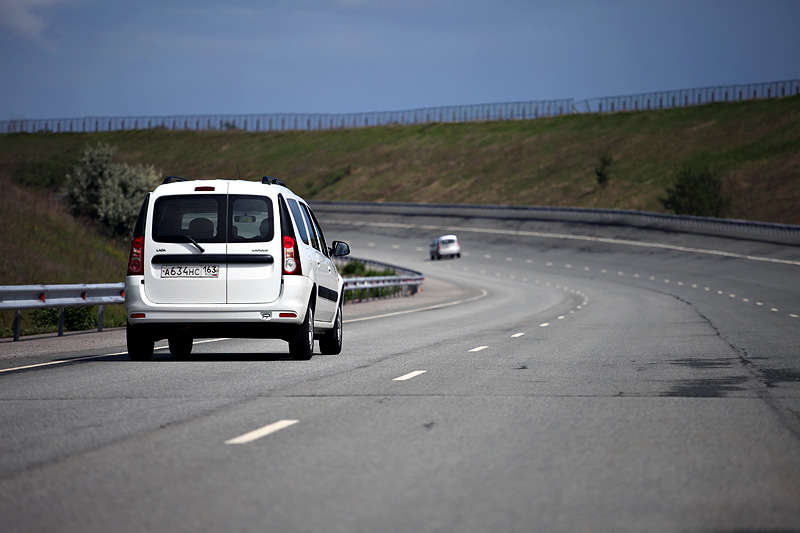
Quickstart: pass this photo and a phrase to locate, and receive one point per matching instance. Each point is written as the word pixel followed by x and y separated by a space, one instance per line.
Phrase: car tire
pixel 180 346
pixel 331 341
pixel 301 345
pixel 140 346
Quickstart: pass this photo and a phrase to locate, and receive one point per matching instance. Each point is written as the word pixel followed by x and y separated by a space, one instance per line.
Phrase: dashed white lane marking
pixel 478 348
pixel 544 325
pixel 410 375
pixel 261 432
pixel 515 335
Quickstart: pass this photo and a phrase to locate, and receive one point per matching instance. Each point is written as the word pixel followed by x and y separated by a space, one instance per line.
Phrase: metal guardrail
pixel 19 297
pixel 526 110
pixel 374 287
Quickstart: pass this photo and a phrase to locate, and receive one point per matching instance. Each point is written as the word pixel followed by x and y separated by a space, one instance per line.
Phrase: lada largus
pixel 219 258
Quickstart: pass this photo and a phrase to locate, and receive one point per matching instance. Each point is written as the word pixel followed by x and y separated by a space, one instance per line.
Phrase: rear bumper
pixel 210 319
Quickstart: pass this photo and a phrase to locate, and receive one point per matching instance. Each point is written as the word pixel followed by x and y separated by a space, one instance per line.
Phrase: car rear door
pixel 254 274
pixel 185 247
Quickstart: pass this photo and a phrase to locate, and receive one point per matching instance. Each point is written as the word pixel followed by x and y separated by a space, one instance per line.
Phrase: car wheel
pixel 301 345
pixel 140 346
pixel 180 346
pixel 331 341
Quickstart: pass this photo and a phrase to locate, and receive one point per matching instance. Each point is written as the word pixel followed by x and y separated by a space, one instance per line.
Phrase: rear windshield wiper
pixel 182 238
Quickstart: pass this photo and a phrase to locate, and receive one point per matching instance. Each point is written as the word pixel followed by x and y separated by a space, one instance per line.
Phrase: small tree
pixel 602 170
pixel 110 193
pixel 696 193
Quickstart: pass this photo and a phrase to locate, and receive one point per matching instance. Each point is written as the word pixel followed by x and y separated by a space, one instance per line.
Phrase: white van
pixel 220 258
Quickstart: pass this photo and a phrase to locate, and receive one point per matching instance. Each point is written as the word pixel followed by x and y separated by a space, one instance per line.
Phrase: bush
pixel 696 193
pixel 110 193
pixel 357 269
pixel 75 319
pixel 601 171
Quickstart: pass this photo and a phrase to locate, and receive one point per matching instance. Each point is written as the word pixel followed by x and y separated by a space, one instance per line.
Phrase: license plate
pixel 190 271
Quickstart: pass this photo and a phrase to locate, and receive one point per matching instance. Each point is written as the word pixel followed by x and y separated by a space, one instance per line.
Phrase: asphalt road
pixel 536 384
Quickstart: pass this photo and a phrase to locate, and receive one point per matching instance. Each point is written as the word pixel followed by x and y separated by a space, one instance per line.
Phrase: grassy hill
pixel 754 147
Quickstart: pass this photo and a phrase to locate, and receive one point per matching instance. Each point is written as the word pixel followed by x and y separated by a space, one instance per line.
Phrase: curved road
pixel 623 380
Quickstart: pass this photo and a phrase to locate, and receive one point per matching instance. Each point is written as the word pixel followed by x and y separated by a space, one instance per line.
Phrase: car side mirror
pixel 340 249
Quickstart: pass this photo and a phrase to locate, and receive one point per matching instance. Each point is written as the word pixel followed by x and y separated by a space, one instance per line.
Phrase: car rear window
pixel 209 218
pixel 251 219
pixel 195 216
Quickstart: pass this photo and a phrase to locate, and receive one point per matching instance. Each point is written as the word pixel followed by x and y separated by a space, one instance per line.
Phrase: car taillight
pixel 291 256
pixel 135 257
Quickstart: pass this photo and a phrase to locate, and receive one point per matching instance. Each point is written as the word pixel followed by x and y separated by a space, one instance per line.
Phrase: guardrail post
pixel 17 322
pixel 60 321
pixel 99 318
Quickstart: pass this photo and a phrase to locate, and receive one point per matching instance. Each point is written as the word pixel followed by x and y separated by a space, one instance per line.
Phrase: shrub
pixel 110 193
pixel 696 193
pixel 357 269
pixel 601 171
pixel 75 319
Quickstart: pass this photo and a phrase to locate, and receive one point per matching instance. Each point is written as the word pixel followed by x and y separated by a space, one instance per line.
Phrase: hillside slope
pixel 754 146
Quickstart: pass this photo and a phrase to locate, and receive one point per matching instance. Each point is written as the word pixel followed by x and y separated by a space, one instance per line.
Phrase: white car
pixel 444 246
pixel 219 258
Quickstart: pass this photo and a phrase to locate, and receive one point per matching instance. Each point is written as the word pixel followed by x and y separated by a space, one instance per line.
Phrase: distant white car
pixel 444 246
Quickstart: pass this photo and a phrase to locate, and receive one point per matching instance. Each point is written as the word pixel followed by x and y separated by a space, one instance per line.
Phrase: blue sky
pixel 75 58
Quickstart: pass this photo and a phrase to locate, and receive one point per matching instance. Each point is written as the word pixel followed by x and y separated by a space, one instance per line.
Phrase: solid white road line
pixel 569 237
pixel 53 363
pixel 261 432
pixel 410 375
pixel 484 292
pixel 64 361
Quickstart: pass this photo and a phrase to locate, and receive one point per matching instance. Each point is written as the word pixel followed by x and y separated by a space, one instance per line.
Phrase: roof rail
pixel 269 180
pixel 173 179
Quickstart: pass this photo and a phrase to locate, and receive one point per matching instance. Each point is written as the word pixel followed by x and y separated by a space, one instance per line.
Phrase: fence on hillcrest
pixel 460 113
pixel 689 97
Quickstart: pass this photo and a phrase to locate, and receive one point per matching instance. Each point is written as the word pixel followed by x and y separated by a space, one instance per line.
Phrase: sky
pixel 95 58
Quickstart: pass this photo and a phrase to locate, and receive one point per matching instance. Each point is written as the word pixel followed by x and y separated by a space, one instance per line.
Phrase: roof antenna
pixel 237 170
